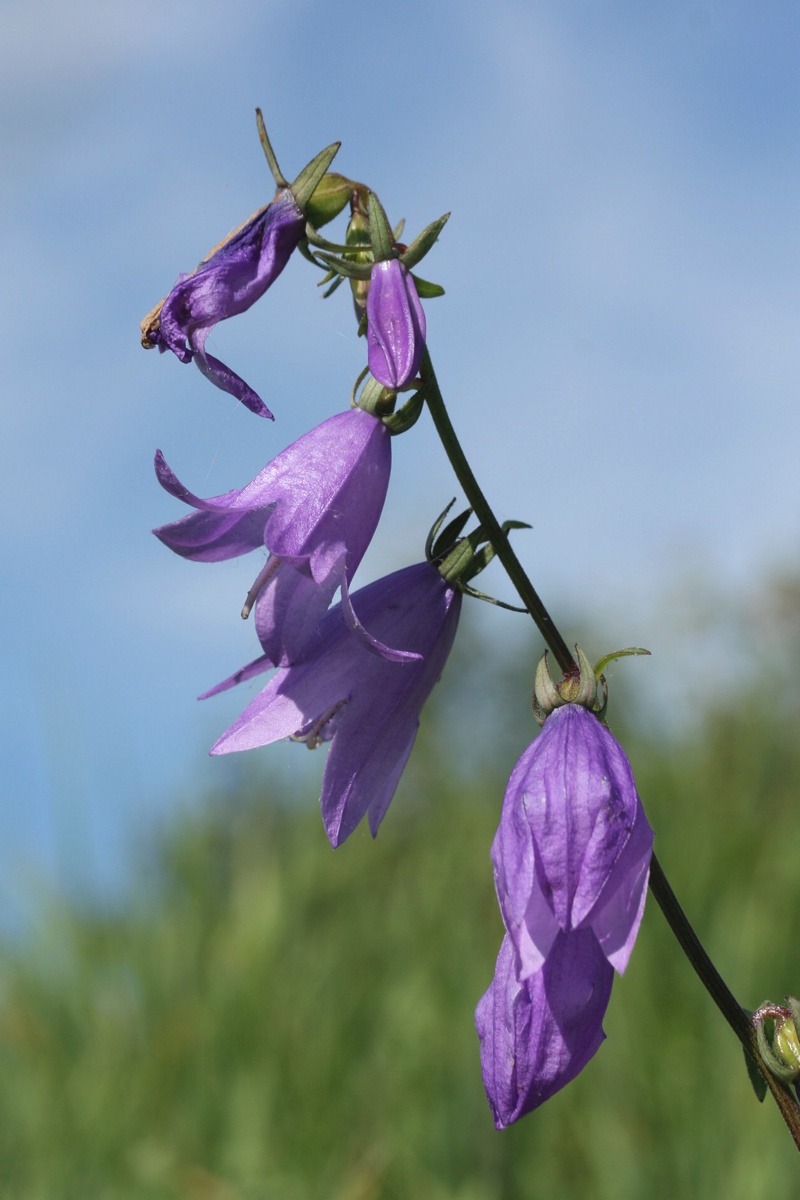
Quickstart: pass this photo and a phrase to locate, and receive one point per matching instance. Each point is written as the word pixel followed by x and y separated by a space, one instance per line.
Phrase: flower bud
pixel 396 325
pixel 328 199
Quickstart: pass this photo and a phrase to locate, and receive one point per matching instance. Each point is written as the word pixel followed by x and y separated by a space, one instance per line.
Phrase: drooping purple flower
pixel 538 1034
pixel 573 848
pixel 395 324
pixel 357 694
pixel 571 861
pixel 315 508
pixel 227 283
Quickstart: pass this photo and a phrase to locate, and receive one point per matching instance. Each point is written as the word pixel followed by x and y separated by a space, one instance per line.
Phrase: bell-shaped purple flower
pixel 315 508
pixel 571 861
pixel 228 283
pixel 356 693
pixel 395 325
pixel 573 847
pixel 538 1034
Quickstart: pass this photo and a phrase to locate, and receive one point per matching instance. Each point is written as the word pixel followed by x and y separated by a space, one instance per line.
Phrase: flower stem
pixel 666 899
pixel 480 506
pixel 720 993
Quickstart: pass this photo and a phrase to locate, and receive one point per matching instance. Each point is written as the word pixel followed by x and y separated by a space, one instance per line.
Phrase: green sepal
pixel 471 555
pixel 380 231
pixel 374 397
pixel 408 414
pixel 311 176
pixel 602 663
pixel 337 282
pixel 321 243
pixel 342 267
pixel 451 533
pixel 269 153
pixel 468 590
pixel 434 529
pixel 456 562
pixel 303 248
pixel 423 242
pixel 329 198
pixel 575 687
pixel 426 290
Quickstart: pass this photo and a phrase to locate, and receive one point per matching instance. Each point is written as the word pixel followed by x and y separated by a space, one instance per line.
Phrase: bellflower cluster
pixel 315 508
pixel 572 852
pixel 571 861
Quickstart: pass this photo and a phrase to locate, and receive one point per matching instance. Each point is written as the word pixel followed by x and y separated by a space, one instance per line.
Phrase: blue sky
pixel 618 343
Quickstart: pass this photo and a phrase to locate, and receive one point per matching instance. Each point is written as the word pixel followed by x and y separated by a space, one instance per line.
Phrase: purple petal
pixel 568 816
pixel 271 716
pixel 290 607
pixel 330 486
pixel 228 381
pixel 221 529
pixel 538 1035
pixel 371 643
pixel 395 325
pixel 362 774
pixel 316 503
pixel 228 283
pixel 257 667
pixel 618 913
pixel 369 707
pixel 170 483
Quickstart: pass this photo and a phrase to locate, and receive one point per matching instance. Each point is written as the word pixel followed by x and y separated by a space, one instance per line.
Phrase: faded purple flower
pixel 228 283
pixel 395 325
pixel 362 697
pixel 571 861
pixel 315 508
pixel 538 1035
pixel 573 847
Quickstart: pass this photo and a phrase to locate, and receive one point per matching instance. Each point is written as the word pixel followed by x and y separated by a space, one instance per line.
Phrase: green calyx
pixel 380 401
pixel 384 239
pixel 580 688
pixel 370 239
pixel 423 243
pixel 330 196
pixel 776 1028
pixel 459 559
pixel 576 687
pixel 380 231
pixel 309 178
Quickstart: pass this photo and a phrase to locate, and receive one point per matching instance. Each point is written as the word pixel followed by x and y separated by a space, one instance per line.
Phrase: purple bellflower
pixel 228 282
pixel 352 690
pixel 395 325
pixel 571 862
pixel 573 847
pixel 538 1034
pixel 315 507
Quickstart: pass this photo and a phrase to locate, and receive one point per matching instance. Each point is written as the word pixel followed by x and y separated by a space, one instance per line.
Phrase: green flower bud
pixel 328 199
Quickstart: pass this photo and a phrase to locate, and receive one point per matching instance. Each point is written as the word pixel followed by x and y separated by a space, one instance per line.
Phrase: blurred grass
pixel 281 1021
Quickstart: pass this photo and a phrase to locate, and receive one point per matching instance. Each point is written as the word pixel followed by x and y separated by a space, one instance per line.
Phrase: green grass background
pixel 269 1019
